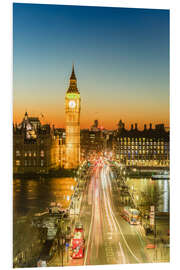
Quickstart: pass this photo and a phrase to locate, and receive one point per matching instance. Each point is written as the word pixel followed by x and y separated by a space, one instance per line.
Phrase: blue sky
pixel 121 59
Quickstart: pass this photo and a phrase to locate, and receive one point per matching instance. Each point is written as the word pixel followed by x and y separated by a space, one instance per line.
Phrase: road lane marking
pixel 122 253
pixel 90 229
pixel 108 208
pixel 125 239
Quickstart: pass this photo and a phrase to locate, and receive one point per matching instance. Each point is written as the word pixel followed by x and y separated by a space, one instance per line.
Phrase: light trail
pixel 113 217
pixel 109 205
pixel 113 223
pixel 90 229
pixel 132 253
pixel 108 208
pixel 122 252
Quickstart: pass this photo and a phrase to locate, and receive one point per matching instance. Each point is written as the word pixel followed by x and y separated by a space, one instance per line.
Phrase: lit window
pixel 29 153
pixel 42 162
pixel 34 154
pixel 25 154
pixel 42 153
pixel 18 162
pixel 18 153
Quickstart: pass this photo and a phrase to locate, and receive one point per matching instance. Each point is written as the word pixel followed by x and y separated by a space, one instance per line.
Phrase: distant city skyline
pixel 121 58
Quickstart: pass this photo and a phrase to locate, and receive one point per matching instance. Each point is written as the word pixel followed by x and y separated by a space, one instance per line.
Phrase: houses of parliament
pixel 40 148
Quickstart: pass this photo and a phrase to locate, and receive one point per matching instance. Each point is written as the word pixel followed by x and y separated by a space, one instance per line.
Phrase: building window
pixel 25 162
pixel 34 154
pixel 30 154
pixel 42 163
pixel 42 153
pixel 29 162
pixel 25 154
pixel 18 153
pixel 18 162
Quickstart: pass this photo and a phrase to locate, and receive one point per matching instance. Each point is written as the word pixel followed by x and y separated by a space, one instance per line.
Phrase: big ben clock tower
pixel 72 108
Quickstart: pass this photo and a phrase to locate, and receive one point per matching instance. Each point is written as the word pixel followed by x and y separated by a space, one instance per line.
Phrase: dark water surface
pixel 35 195
pixel 142 184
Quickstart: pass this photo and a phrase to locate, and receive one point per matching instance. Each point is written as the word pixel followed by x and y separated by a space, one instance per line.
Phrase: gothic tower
pixel 72 109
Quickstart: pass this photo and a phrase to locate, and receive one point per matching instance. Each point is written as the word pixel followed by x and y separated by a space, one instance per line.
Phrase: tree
pixel 150 196
pixel 27 239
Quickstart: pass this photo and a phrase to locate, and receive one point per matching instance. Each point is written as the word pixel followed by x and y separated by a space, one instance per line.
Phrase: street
pixel 109 238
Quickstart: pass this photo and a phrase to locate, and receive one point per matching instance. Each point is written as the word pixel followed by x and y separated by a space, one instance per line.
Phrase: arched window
pixel 18 153
pixel 18 162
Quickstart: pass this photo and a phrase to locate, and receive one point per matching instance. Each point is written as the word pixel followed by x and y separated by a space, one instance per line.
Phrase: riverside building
pixel 149 147
pixel 36 147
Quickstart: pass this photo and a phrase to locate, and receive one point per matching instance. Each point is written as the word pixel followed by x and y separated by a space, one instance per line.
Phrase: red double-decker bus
pixel 77 242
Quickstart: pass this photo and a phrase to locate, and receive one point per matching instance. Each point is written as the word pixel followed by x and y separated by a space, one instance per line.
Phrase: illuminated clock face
pixel 72 104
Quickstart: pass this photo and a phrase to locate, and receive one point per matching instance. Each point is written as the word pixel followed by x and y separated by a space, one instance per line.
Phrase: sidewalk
pixel 57 259
pixel 161 252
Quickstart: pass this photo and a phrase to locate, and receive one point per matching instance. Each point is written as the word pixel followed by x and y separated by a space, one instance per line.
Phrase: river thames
pixel 31 196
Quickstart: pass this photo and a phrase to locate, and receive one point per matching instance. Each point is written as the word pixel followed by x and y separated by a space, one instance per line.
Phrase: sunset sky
pixel 121 59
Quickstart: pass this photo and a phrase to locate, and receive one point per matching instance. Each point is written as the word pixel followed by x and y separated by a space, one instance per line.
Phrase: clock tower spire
pixel 73 83
pixel 72 109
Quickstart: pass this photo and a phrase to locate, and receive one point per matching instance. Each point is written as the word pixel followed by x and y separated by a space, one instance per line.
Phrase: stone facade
pixel 72 110
pixel 149 147
pixel 36 147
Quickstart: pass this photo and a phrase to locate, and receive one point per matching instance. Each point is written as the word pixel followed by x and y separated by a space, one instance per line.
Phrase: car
pixel 150 246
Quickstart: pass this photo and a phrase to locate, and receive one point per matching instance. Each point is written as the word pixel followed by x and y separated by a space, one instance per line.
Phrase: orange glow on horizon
pixel 85 123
